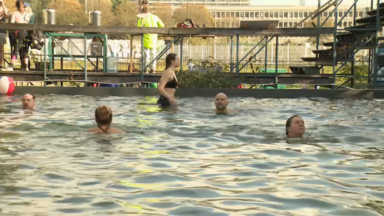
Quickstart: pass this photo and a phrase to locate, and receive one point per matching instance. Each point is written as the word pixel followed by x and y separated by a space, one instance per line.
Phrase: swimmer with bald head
pixel 221 103
pixel 103 118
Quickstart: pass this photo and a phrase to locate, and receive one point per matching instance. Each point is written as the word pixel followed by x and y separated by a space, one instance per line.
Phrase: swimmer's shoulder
pixel 115 131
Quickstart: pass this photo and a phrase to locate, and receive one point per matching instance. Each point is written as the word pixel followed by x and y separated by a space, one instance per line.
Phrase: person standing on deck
pixel 3 33
pixel 150 40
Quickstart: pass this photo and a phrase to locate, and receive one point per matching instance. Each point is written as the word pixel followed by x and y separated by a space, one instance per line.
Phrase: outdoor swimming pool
pixel 192 162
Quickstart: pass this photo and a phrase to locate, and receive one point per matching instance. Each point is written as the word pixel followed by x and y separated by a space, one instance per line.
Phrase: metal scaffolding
pixel 347 42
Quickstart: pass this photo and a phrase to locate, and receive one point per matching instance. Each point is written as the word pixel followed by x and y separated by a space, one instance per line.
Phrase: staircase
pixel 358 36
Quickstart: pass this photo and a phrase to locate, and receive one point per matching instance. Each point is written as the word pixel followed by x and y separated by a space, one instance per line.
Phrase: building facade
pixel 288 16
pixel 176 3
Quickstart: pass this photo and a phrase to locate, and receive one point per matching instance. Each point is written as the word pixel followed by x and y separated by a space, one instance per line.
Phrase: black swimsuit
pixel 104 130
pixel 163 101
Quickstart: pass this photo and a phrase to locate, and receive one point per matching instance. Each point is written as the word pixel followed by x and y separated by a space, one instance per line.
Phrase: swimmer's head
pixel 172 60
pixel 28 101
pixel 103 115
pixel 221 101
pixel 294 127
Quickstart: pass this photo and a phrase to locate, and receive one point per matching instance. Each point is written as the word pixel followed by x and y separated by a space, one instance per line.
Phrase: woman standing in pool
pixel 168 82
pixel 103 118
pixel 294 127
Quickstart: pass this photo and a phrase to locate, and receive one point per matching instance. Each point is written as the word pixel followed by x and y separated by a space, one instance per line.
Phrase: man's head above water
pixel 221 101
pixel 28 101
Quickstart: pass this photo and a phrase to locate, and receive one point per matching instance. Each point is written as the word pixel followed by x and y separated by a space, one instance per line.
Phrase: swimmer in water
pixel 28 102
pixel 103 118
pixel 168 82
pixel 221 103
pixel 294 127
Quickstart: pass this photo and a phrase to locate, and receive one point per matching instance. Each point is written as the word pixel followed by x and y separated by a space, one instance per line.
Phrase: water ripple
pixel 190 161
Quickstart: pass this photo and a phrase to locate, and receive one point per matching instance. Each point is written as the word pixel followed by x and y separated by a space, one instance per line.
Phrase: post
pixel 237 54
pixel 49 50
pixel 353 60
pixel 266 55
pixel 181 53
pixel 276 58
pixel 334 45
pixel 318 24
pixel 172 47
pixel 85 59
pixel 376 53
pixel 231 58
pixel 45 61
pixel 105 52
pixel 369 65
pixel 131 55
pixel 142 58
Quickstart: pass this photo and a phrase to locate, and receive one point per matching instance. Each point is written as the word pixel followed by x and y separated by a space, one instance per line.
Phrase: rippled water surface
pixel 190 161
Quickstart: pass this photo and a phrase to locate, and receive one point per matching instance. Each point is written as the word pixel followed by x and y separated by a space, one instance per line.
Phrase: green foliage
pixel 361 70
pixel 190 79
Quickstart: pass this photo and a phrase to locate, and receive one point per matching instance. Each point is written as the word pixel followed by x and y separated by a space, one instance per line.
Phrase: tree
pixel 198 13
pixel 126 14
pixel 164 12
pixel 69 12
pixel 107 16
pixel 329 23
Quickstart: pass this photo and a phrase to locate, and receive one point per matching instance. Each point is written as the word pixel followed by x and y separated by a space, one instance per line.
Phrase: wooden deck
pixel 124 77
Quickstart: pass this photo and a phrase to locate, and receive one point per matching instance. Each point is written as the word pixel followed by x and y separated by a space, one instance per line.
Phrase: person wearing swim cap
pixel 28 102
pixel 221 103
pixel 294 127
pixel 103 118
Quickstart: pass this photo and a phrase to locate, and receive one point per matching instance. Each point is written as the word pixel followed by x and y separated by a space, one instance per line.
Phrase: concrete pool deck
pixel 255 93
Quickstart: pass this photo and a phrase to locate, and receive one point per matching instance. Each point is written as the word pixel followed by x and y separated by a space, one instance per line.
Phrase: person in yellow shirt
pixel 150 40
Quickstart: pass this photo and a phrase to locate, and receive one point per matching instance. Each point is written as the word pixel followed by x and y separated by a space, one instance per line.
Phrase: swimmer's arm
pixel 163 81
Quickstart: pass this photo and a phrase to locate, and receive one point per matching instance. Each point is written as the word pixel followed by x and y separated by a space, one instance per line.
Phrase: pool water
pixel 191 161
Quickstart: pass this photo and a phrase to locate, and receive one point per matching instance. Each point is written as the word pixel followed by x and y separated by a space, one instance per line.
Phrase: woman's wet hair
pixel 289 123
pixel 168 60
pixel 19 4
pixel 103 115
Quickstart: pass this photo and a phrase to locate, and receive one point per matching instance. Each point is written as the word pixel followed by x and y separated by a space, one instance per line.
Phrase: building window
pixel 257 15
pixel 290 14
pixel 218 14
pixel 350 24
pixel 228 15
pixel 285 14
pixel 280 24
pixel 305 14
pixel 340 13
pixel 276 14
pixel 261 15
pixel 252 15
pixel 326 14
pixel 247 15
pixel 361 13
pixel 350 14
pixel 266 14
pixel 290 24
pixel 223 14
pixel 281 14
pixel 270 14
pixel 237 14
pixel 285 24
pixel 345 24
pixel 232 14
pixel 295 24
pixel 296 14
pixel 300 14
